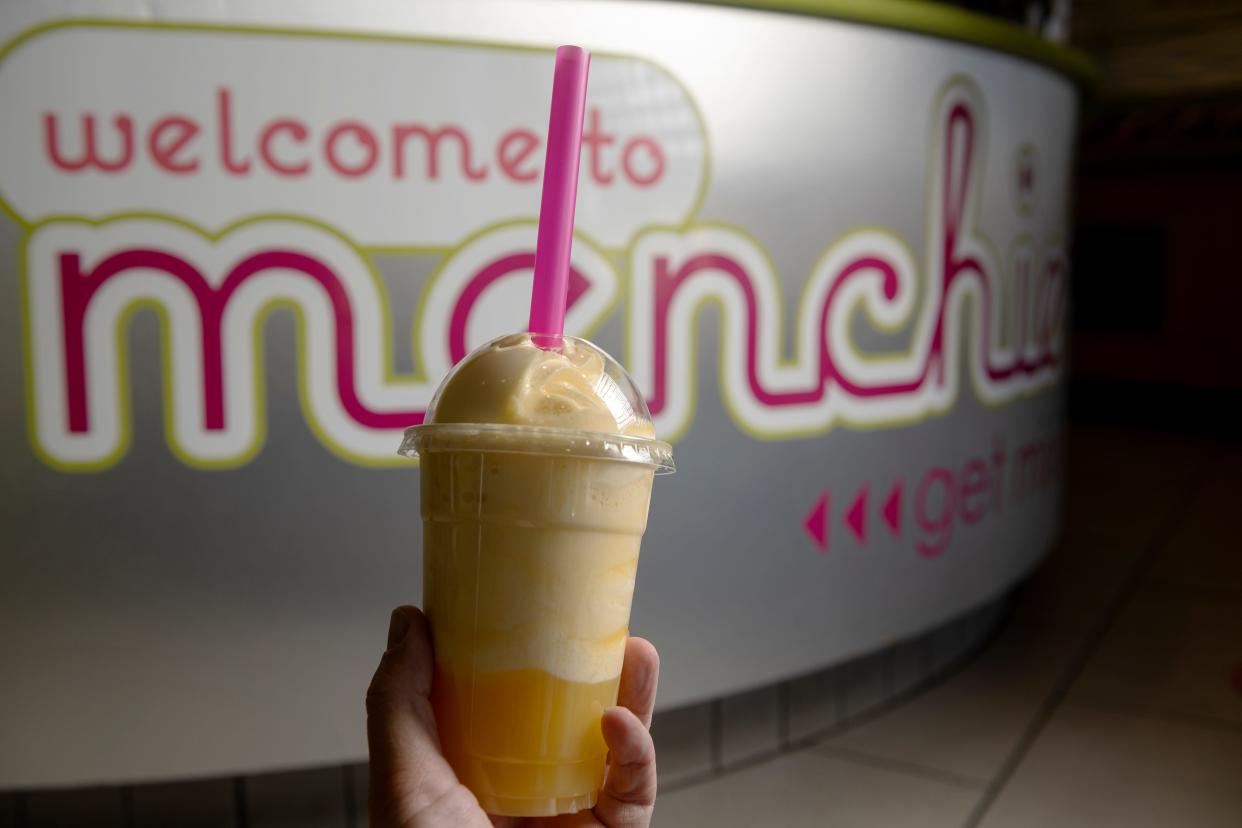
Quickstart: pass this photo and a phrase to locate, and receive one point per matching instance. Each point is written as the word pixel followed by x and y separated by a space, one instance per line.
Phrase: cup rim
pixel 498 438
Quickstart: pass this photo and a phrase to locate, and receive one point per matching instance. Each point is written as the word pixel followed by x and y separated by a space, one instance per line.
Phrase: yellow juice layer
pixel 526 742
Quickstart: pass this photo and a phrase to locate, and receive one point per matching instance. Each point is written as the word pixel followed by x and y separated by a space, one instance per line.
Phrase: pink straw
pixel 560 193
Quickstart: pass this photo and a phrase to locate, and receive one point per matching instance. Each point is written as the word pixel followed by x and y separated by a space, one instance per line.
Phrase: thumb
pixel 411 783
pixel 629 792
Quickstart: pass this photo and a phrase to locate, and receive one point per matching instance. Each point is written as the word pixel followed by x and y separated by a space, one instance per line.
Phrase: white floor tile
pixel 1075 584
pixel 804 789
pixel 1205 551
pixel 1122 484
pixel 968 724
pixel 1095 768
pixel 1170 651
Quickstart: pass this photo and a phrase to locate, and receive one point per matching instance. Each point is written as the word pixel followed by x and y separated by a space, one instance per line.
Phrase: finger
pixel 410 779
pixel 640 674
pixel 629 791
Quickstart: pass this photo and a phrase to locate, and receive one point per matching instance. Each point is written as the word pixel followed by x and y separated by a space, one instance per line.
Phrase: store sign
pixel 844 305
pixel 187 205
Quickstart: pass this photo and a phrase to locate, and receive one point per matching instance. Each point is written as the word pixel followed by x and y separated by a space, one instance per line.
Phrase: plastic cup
pixel 531 538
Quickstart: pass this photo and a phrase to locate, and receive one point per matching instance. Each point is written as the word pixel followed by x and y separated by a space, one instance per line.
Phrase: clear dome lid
pixel 514 396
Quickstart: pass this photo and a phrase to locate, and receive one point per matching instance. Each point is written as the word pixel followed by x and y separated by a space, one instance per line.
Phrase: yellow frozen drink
pixel 537 466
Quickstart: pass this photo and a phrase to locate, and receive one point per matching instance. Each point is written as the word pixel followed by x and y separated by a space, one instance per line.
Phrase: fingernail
pixel 398 626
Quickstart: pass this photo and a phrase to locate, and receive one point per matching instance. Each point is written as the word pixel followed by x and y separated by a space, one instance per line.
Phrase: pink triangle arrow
pixel 856 517
pixel 892 509
pixel 816 523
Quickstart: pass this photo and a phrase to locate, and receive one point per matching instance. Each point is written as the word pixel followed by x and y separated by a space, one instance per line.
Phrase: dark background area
pixel 1157 275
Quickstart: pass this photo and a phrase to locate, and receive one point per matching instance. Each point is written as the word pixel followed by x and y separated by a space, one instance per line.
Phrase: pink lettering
pixel 297 133
pixel 593 139
pixel 1036 464
pixel 78 288
pixel 224 116
pixel 90 156
pixel 349 148
pixel 998 473
pixel 524 142
pixel 949 262
pixel 974 483
pixel 363 136
pixel 655 163
pixel 938 528
pixel 403 132
pixel 481 280
pixel 164 153
pixel 943 303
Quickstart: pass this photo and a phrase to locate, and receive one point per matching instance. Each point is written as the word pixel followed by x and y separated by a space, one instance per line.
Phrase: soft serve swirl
pixel 514 382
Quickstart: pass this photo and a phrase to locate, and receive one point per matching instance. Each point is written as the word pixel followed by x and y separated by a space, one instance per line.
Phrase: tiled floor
pixel 1111 697
pixel 810 788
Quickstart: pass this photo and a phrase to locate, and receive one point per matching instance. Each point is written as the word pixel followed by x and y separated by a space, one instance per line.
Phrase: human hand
pixel 412 785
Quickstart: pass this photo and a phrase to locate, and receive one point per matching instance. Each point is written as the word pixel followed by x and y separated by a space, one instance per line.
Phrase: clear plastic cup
pixel 531 536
